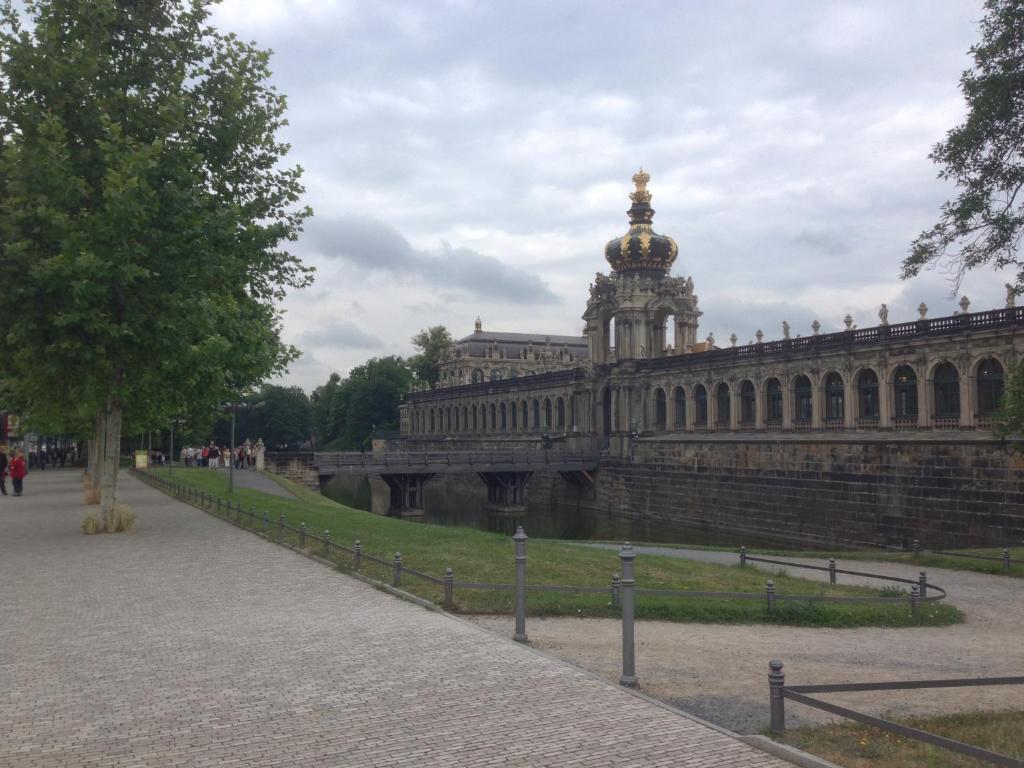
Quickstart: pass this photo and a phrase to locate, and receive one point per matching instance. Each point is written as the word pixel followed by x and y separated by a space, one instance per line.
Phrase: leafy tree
pixel 984 224
pixel 143 208
pixel 432 344
pixel 347 410
pixel 282 416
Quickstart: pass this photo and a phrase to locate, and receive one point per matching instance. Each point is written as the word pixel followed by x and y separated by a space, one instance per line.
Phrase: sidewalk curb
pixel 786 752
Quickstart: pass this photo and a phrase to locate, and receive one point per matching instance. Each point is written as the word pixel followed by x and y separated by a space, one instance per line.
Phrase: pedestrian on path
pixel 18 472
pixel 3 471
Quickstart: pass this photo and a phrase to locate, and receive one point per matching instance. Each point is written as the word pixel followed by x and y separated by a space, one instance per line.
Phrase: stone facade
pixel 659 403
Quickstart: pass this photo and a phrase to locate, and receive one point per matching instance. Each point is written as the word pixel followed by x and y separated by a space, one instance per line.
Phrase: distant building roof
pixel 524 338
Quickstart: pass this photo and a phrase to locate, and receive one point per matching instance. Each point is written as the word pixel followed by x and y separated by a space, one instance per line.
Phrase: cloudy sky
pixel 472 158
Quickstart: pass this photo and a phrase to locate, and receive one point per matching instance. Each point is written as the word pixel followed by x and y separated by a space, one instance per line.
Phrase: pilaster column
pixel 968 400
pixel 787 405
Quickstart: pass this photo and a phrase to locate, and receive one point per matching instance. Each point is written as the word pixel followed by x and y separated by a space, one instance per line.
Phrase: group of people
pixel 214 456
pixel 16 467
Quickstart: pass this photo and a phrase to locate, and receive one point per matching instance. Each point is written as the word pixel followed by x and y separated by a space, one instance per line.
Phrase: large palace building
pixel 869 435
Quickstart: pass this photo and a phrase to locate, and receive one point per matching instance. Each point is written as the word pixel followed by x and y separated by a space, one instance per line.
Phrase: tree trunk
pixel 110 458
pixel 95 451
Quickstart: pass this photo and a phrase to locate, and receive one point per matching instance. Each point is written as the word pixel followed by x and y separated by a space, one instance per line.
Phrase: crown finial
pixel 640 179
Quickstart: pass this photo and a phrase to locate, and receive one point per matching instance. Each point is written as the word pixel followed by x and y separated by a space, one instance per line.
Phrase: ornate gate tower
pixel 637 299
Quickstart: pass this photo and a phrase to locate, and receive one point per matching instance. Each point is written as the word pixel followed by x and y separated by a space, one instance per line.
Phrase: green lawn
pixel 860 746
pixel 479 556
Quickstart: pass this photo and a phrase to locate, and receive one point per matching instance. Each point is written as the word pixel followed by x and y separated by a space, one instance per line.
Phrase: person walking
pixel 3 471
pixel 18 472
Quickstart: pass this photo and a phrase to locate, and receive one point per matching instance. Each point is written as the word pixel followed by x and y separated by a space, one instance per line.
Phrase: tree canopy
pixel 143 211
pixel 432 344
pixel 346 411
pixel 984 223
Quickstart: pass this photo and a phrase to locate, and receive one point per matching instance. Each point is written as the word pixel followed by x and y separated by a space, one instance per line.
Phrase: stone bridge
pixel 505 472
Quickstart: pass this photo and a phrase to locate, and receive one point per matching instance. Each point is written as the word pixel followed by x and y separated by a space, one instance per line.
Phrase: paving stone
pixel 191 642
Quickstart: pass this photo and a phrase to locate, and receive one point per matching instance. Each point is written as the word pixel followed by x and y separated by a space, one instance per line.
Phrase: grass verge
pixel 479 556
pixel 860 746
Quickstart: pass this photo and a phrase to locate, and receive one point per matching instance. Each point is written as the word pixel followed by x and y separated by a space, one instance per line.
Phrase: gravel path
pixel 719 672
pixel 193 643
pixel 257 481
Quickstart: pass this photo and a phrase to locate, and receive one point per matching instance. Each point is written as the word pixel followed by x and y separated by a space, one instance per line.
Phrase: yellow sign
pixel 141 459
pixel 13 425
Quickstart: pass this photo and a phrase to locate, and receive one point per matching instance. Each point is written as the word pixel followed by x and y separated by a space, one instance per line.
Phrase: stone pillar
pixel 968 401
pixel 734 408
pixel 260 451
pixel 787 404
pixel 759 403
pixel 925 399
pixel 849 404
pixel 818 401
pixel 885 398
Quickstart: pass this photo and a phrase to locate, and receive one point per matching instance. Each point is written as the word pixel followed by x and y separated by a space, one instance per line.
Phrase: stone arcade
pixel 866 436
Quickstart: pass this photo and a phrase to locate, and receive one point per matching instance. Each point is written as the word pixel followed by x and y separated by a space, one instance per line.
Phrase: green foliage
pixel 346 411
pixel 143 208
pixel 282 416
pixel 1010 416
pixel 432 344
pixel 983 157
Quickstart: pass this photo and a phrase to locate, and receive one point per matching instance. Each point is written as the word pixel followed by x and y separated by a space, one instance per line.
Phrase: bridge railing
pixel 530 458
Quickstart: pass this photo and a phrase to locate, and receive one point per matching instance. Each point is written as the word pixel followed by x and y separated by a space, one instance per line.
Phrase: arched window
pixel 465 419
pixel 560 410
pixel 946 382
pixel 773 402
pixel 457 419
pixel 748 404
pixel 536 414
pixel 803 400
pixel 472 410
pixel 723 413
pixel 547 413
pixel 835 399
pixel 495 374
pixel 448 420
pixel 700 406
pixel 904 385
pixel 494 417
pixel 514 416
pixel 990 386
pixel 524 415
pixel 660 408
pixel 433 423
pixel 503 411
pixel 679 400
pixel 606 411
pixel 478 375
pixel 867 394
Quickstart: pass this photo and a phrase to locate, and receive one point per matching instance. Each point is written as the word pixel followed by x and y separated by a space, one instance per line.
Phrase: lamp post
pixel 170 457
pixel 234 407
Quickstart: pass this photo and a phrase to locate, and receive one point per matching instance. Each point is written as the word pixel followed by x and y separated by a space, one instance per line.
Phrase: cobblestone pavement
pixel 192 643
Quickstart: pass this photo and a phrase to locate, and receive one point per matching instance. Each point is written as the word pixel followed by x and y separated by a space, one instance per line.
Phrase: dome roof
pixel 641 250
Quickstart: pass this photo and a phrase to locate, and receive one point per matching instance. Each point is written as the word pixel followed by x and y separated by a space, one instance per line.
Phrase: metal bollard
pixel 397 581
pixel 519 540
pixel 769 593
pixel 357 555
pixel 449 588
pixel 280 529
pixel 616 590
pixel 1006 559
pixel 218 505
pixel 831 570
pixel 915 596
pixel 743 556
pixel 628 677
pixel 302 535
pixel 777 696
pixel 266 521
pixel 915 547
pixel 327 543
pixel 922 581
pixel 252 513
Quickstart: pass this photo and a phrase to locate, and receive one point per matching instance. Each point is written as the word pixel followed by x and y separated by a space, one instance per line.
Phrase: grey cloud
pixel 343 333
pixel 823 242
pixel 376 246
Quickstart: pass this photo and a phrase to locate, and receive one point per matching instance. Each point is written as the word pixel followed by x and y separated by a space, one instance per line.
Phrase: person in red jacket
pixel 18 471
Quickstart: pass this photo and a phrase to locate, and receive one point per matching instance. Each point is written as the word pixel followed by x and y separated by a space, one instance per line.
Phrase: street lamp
pixel 234 408
pixel 170 457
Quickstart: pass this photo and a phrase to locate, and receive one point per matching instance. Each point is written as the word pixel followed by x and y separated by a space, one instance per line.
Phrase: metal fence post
pixel 266 521
pixel 302 535
pixel 280 528
pixel 915 596
pixel 357 555
pixel 743 556
pixel 831 570
pixel 769 593
pixel 916 548
pixel 616 587
pixel 922 582
pixel 519 540
pixel 777 696
pixel 327 543
pixel 449 588
pixel 1006 558
pixel 628 677
pixel 397 581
